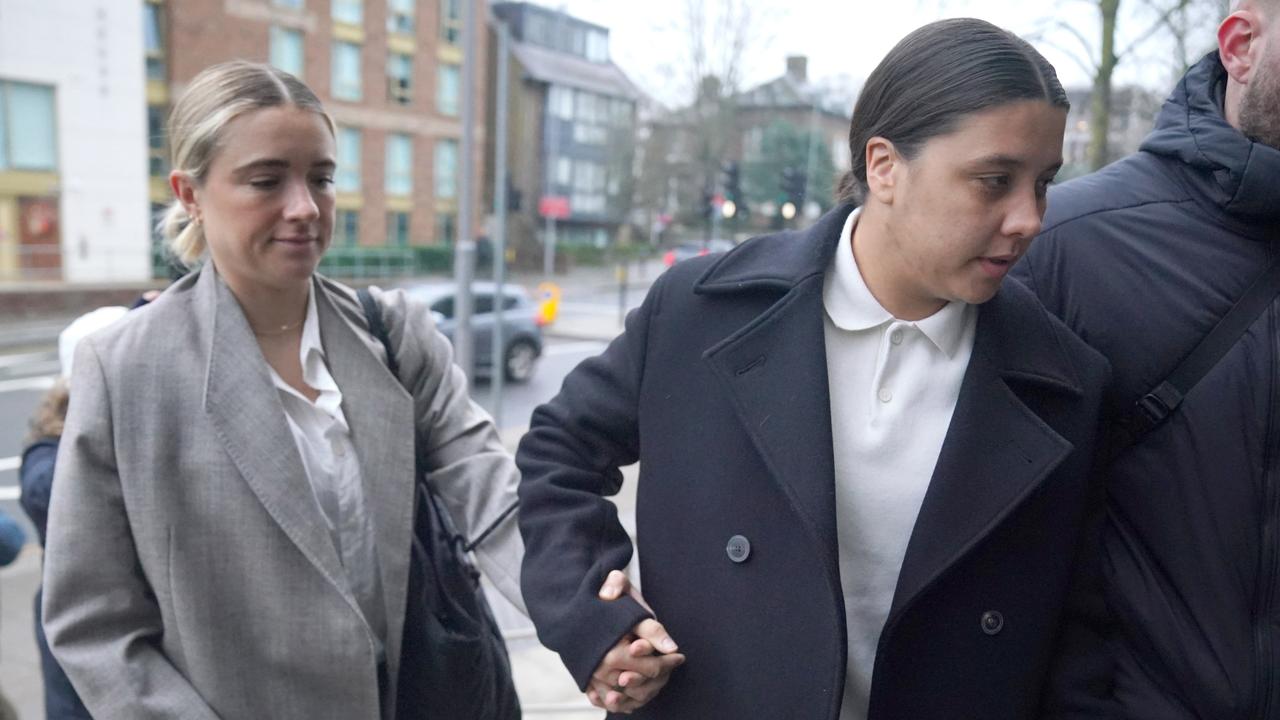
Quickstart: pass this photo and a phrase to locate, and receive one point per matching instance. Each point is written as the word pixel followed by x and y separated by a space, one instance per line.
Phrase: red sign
pixel 554 206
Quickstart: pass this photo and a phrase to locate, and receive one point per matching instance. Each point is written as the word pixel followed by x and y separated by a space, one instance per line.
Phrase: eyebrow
pixel 278 164
pixel 1008 161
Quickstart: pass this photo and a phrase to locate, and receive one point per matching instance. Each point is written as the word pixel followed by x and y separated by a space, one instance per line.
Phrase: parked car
pixel 684 251
pixel 521 329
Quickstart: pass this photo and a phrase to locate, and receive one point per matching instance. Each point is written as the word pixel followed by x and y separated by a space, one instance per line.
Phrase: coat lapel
pixel 245 410
pixel 997 450
pixel 380 414
pixel 775 368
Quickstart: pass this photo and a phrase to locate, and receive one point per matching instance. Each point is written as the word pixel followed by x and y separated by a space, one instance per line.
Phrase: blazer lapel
pixel 380 413
pixel 997 451
pixel 245 410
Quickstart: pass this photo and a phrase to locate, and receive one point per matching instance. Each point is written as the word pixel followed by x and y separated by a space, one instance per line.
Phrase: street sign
pixel 555 207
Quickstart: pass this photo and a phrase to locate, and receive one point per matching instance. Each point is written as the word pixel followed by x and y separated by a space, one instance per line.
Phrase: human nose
pixel 1024 217
pixel 299 204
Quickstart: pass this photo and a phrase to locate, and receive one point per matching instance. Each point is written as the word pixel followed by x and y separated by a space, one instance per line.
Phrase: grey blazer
pixel 188 571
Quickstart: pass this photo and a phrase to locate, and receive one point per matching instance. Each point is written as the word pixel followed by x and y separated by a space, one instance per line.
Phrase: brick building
pixel 388 71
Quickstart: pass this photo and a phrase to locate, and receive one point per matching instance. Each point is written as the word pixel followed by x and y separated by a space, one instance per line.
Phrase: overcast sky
pixel 845 39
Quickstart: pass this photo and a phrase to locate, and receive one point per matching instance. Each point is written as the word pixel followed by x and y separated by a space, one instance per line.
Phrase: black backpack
pixel 453 660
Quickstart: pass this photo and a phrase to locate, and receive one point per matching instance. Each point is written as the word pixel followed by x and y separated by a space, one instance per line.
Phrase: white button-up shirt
pixel 323 438
pixel 894 386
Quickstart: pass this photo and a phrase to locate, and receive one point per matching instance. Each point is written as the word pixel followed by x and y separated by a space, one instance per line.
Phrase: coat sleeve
pixel 466 461
pixel 100 615
pixel 570 461
pixel 35 477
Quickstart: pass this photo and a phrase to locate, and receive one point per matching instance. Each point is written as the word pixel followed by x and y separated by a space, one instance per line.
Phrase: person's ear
pixel 883 162
pixel 1238 44
pixel 184 188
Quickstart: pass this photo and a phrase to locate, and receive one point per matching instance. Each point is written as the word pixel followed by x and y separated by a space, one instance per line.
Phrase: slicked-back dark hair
pixel 934 78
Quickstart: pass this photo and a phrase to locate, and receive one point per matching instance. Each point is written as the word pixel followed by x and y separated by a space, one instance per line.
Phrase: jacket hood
pixel 1238 175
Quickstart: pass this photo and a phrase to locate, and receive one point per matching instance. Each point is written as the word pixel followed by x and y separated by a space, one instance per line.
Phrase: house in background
pixel 1133 115
pixel 571 131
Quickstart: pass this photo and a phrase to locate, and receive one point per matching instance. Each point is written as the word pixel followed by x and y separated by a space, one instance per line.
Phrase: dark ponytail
pixel 935 77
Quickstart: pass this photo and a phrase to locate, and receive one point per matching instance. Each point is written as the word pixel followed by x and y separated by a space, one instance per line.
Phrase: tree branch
pixel 1162 22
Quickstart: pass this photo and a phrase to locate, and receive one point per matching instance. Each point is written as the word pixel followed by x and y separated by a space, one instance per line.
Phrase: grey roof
pixel 788 92
pixel 560 68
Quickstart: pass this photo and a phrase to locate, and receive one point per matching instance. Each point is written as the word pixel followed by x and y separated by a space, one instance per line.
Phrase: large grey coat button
pixel 992 622
pixel 738 549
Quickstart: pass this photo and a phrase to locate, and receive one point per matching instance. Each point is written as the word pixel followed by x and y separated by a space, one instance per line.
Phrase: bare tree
pixel 1174 20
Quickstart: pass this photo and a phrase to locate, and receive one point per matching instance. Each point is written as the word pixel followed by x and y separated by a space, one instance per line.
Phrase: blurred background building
pixel 72 142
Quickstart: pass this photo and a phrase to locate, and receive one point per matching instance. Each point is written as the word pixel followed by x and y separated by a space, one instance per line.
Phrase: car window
pixel 509 302
pixel 444 306
pixel 483 304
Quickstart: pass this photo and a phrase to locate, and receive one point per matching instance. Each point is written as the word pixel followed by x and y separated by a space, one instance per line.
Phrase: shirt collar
pixel 851 306
pixel 310 330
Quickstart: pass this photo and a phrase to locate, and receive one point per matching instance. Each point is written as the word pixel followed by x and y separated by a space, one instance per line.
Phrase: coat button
pixel 992 622
pixel 738 549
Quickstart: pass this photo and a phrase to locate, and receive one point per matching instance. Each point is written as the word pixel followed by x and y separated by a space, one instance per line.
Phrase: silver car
pixel 521 328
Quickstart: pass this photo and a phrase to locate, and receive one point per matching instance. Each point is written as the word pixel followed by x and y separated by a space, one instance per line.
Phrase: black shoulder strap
pixel 373 315
pixel 1153 408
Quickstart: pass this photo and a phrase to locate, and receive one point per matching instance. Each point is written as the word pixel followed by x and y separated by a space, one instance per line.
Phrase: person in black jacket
pixel 1142 260
pixel 858 449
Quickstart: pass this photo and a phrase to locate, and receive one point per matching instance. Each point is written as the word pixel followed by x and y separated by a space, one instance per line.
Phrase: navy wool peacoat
pixel 719 389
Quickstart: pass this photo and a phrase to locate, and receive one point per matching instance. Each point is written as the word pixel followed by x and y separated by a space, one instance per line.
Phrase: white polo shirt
pixel 323 438
pixel 894 386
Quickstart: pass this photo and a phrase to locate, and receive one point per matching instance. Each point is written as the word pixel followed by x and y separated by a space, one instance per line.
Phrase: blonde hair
pixel 219 94
pixel 50 415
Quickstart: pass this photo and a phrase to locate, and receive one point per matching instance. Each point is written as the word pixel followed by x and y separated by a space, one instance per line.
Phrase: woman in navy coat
pixel 866 483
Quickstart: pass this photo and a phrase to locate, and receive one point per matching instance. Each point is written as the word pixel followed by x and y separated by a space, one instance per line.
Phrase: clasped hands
pixel 639 665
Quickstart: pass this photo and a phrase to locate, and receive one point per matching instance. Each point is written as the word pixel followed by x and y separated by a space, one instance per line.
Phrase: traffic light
pixel 793 185
pixel 733 183
pixel 708 204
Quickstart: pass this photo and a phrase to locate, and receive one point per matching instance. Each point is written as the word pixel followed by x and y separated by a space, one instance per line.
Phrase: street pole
pixel 465 247
pixel 500 220
pixel 553 151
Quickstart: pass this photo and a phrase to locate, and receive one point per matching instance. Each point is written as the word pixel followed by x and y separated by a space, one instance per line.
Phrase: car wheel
pixel 521 357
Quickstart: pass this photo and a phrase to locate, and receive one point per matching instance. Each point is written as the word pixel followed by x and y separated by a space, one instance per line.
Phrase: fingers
pixel 615 585
pixel 653 631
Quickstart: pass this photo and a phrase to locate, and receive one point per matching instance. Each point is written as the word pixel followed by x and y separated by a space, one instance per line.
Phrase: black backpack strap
pixel 1153 408
pixel 373 316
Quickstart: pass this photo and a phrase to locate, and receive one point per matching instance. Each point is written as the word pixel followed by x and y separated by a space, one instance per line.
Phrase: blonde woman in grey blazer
pixel 226 538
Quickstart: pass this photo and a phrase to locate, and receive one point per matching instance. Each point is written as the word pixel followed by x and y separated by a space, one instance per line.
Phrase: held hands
pixel 639 665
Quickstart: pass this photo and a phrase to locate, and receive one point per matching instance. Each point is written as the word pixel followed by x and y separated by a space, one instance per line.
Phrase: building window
pixel 585 134
pixel 399 180
pixel 28 128
pixel 348 177
pixel 348 11
pixel 346 71
pixel 564 171
pixel 535 29
pixel 158 163
pixel 287 50
pixel 346 228
pixel 153 34
pixel 398 229
pixel 446 169
pixel 451 22
pixel 400 16
pixel 621 112
pixel 399 78
pixel 597 46
pixel 447 228
pixel 447 89
pixel 560 102
pixel 294 4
